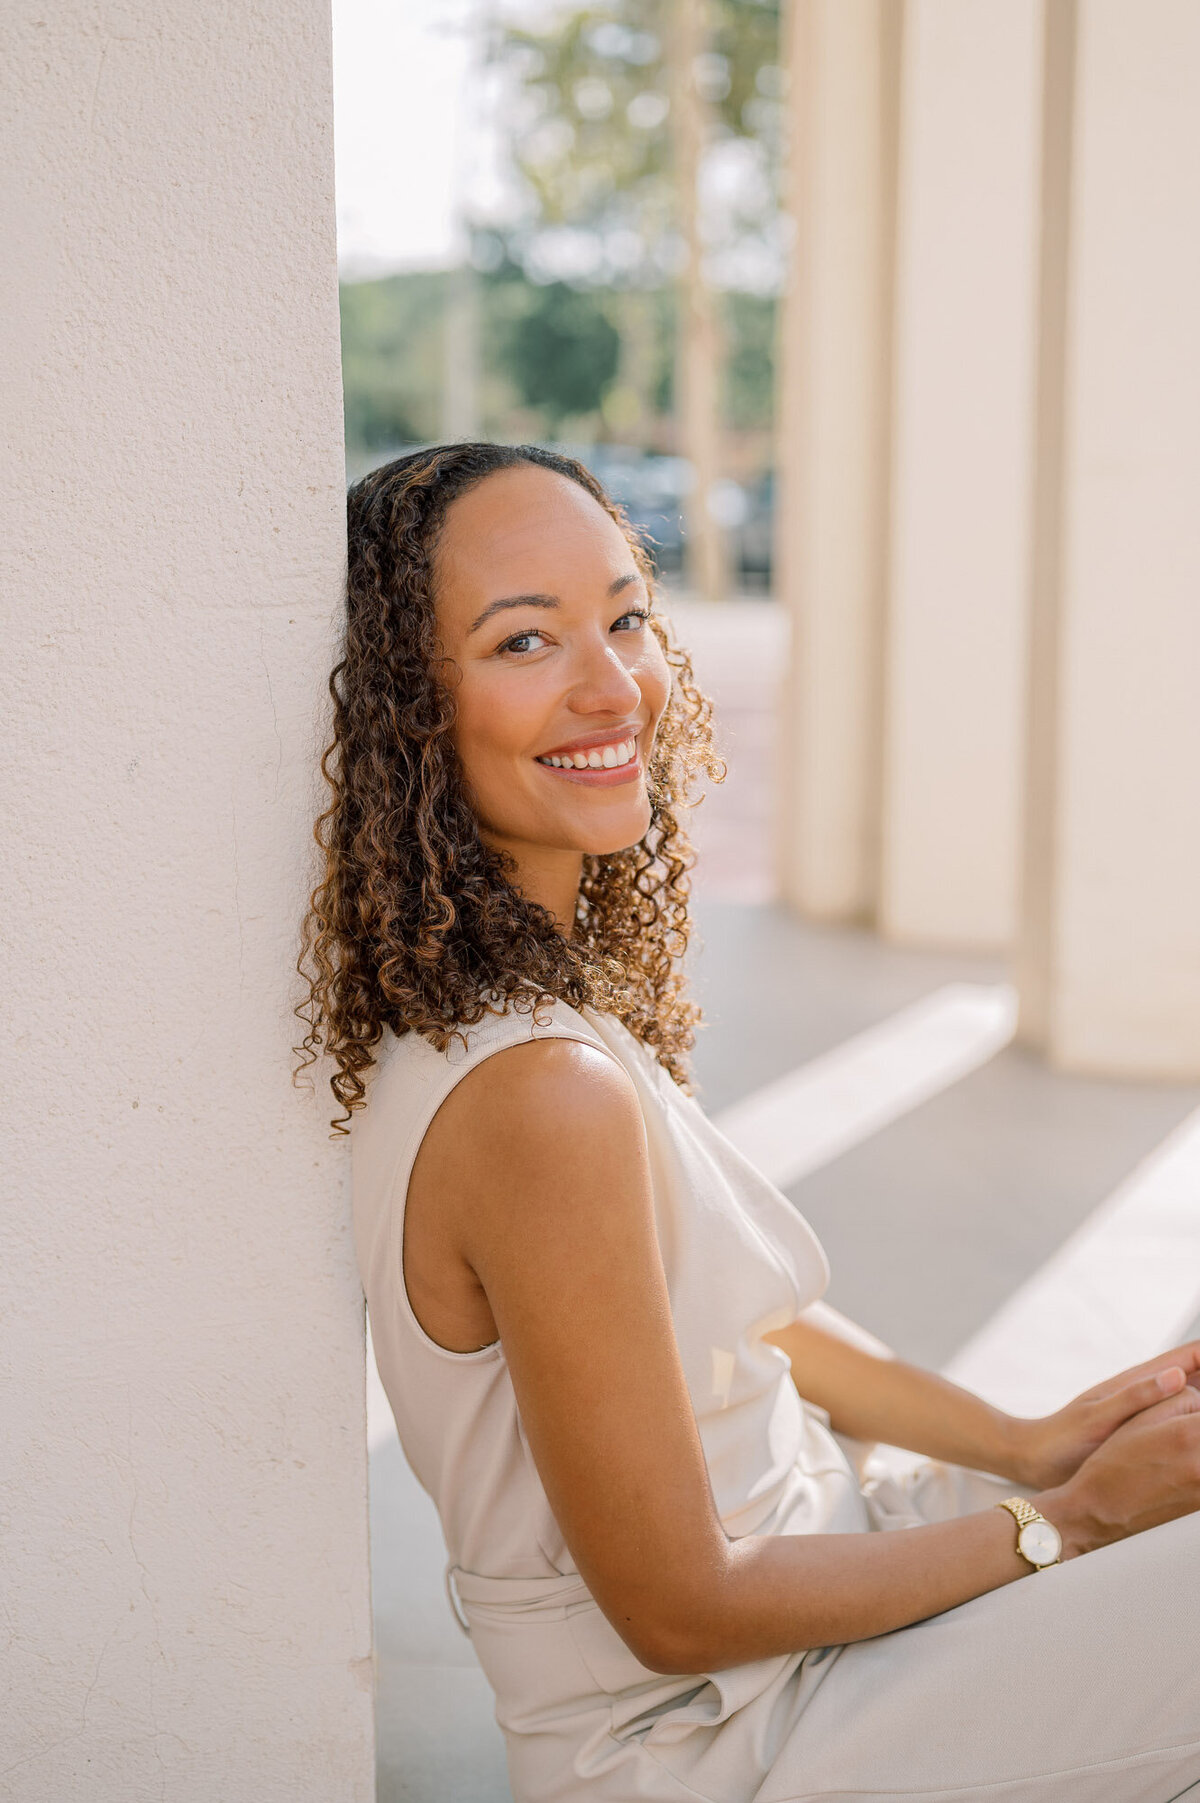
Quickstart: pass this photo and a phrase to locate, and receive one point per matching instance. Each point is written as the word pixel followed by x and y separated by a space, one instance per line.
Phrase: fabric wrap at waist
pixel 513 1596
pixel 583 1666
pixel 551 1655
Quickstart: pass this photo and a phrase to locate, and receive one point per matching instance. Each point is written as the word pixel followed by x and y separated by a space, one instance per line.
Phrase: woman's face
pixel 542 608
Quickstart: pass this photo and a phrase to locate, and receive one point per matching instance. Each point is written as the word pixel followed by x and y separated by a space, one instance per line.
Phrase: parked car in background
pixel 755 535
pixel 653 489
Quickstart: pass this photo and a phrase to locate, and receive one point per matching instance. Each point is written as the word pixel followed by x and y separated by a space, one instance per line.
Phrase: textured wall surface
pixel 183 1484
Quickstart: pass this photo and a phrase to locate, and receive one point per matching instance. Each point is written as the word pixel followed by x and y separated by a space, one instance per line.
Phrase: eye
pixel 516 642
pixel 518 645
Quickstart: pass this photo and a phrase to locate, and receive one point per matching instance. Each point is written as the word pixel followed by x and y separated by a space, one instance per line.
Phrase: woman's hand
pixel 1049 1449
pixel 1145 1473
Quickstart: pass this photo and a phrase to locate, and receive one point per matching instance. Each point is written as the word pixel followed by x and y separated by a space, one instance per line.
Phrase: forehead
pixel 525 529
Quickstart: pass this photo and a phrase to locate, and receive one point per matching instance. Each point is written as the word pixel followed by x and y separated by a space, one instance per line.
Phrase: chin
pixel 617 835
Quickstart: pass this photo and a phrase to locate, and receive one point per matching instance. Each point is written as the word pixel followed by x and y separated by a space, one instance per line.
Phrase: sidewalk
pixel 738 653
pixel 932 1222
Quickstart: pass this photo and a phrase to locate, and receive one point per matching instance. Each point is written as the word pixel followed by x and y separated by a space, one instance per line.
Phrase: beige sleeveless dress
pixel 582 1717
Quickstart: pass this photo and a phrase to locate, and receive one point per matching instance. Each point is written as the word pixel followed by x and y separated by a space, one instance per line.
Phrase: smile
pixel 599 757
pixel 611 766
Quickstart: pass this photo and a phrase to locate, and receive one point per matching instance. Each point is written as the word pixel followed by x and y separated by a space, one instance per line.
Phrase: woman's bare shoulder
pixel 536 1098
pixel 523 1151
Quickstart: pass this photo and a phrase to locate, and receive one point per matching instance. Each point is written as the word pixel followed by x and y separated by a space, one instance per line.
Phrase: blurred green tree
pixel 595 354
pixel 591 131
pixel 618 109
pixel 562 352
pixel 391 369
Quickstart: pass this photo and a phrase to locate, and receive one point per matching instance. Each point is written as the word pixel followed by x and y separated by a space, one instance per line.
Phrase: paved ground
pixel 929 1223
pixel 932 1222
pixel 738 653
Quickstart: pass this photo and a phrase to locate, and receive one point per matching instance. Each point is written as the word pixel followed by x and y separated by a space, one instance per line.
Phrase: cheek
pixel 494 718
pixel 497 722
pixel 653 675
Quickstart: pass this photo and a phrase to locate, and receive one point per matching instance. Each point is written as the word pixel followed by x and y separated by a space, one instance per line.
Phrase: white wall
pixel 967 235
pixel 184 1479
pixel 1110 954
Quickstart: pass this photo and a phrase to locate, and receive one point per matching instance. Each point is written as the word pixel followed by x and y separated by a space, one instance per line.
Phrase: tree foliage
pixel 549 358
pixel 563 353
pixel 591 133
pixel 392 359
pixel 578 309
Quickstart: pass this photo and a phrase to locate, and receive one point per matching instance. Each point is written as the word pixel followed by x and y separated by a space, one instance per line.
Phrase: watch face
pixel 1040 1543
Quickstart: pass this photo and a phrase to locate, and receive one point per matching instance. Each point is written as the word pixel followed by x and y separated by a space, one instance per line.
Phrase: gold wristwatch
pixel 1038 1540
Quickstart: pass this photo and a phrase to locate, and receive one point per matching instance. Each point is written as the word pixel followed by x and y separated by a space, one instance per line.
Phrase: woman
pixel 598 1325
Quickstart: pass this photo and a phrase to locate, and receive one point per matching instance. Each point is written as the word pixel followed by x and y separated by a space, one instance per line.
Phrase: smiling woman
pixel 568 665
pixel 594 1318
pixel 500 612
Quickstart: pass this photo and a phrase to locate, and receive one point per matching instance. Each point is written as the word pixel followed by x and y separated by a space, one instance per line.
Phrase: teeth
pixel 607 757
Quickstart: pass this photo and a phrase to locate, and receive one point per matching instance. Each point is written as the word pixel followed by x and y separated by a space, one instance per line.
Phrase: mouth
pixel 599 767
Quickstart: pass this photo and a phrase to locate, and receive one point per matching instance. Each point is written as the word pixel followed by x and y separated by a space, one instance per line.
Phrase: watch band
pixel 1023 1512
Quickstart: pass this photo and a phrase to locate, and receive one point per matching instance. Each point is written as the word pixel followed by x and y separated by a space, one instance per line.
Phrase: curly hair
pixel 416 924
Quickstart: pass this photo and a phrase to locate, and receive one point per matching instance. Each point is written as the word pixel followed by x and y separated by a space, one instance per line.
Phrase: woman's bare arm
pixel 872 1397
pixel 539 1156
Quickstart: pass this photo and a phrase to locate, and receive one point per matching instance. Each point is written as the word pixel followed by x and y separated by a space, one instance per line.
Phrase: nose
pixel 603 683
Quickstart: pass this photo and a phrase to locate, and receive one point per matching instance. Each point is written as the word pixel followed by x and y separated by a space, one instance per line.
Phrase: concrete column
pixel 184 1481
pixel 833 433
pixel 1109 966
pixel 966 246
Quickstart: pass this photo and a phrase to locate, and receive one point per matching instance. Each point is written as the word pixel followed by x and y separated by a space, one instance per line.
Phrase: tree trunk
pixel 629 408
pixel 460 354
pixel 699 348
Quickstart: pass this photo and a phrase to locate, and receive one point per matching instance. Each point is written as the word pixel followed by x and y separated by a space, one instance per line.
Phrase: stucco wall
pixel 184 1476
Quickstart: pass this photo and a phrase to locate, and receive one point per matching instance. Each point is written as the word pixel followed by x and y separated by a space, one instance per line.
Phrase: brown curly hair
pixel 416 923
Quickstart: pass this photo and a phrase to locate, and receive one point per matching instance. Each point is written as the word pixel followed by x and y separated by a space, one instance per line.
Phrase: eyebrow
pixel 494 607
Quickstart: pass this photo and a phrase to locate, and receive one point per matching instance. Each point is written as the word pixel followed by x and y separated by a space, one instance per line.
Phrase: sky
pixel 401 71
pixel 410 124
pixel 413 141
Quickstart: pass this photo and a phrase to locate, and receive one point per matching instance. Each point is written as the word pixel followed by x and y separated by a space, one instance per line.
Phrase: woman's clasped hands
pixel 1124 1455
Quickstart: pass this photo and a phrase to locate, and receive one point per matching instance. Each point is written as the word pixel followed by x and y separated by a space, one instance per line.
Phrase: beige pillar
pixel 1110 955
pixel 833 433
pixel 960 501
pixel 183 1487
